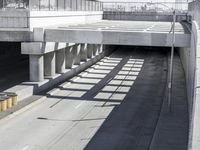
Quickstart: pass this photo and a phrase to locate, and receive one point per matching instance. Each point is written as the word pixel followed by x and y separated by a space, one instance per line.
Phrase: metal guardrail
pixel 145 7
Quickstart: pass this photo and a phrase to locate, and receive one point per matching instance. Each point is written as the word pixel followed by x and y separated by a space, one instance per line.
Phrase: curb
pixel 23 109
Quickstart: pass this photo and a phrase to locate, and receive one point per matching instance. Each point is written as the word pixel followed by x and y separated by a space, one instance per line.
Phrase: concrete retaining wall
pixel 30 19
pixel 50 18
pixel 191 62
pixel 134 16
pixel 14 19
pixel 194 11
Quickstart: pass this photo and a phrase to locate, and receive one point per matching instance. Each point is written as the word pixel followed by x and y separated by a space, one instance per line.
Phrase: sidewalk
pixel 22 106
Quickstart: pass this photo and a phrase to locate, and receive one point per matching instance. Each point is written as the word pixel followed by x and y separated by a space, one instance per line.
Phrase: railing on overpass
pixel 53 5
pixel 158 7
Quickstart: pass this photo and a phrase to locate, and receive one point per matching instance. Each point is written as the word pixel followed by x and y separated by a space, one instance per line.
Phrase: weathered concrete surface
pixel 21 19
pixel 190 60
pixel 143 16
pixel 15 36
pixel 120 33
pixel 130 83
pixel 37 48
pixel 17 25
pixel 194 11
pixel 36 67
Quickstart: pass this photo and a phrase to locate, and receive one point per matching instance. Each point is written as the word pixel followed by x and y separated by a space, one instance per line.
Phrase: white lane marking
pixel 79 105
pixel 25 148
pixel 147 29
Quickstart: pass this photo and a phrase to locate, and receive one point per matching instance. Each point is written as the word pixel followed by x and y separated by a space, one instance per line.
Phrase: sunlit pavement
pixel 115 104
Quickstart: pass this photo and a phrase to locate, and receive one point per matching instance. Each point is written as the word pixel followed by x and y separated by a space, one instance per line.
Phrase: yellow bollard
pixel 0 107
pixel 14 98
pixel 3 104
pixel 9 102
pixel 5 101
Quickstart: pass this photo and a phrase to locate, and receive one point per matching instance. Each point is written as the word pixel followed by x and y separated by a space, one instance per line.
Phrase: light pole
pixel 170 79
pixel 3 4
pixel 171 64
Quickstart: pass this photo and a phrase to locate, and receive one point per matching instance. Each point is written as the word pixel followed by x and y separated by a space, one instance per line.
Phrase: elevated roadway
pixel 142 33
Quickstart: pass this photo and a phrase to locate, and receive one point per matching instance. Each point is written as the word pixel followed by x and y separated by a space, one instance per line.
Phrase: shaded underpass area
pixel 118 103
pixel 14 67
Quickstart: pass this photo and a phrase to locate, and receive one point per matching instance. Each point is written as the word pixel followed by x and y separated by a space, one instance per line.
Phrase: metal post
pixel 39 5
pixel 3 4
pixel 49 5
pixel 171 65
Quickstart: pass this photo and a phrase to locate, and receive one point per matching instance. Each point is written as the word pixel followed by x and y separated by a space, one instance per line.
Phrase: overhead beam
pixel 111 37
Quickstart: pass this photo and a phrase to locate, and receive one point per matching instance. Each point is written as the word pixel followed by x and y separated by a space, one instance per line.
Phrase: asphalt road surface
pixel 114 105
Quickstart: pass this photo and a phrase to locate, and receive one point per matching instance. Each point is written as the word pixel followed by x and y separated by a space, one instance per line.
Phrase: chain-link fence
pixel 145 6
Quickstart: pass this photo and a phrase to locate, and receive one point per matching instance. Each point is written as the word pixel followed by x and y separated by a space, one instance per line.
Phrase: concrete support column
pixel 95 50
pixel 90 48
pixel 100 48
pixel 69 58
pixel 83 52
pixel 50 64
pixel 36 66
pixel 60 61
pixel 77 54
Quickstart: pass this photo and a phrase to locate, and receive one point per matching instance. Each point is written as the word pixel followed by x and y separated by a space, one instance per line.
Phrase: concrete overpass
pixel 58 51
pixel 121 33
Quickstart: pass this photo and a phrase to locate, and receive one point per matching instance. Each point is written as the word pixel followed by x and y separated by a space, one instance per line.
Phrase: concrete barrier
pixel 30 19
pixel 142 16
pixel 191 62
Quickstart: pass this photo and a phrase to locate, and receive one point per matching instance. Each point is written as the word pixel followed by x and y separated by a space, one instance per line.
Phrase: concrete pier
pixel 36 64
pixel 77 54
pixel 90 50
pixel 100 48
pixel 50 64
pixel 60 61
pixel 83 52
pixel 95 50
pixel 69 57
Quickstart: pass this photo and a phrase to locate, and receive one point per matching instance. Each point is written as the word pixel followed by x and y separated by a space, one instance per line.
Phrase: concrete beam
pixel 38 48
pixel 141 38
pixel 15 36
